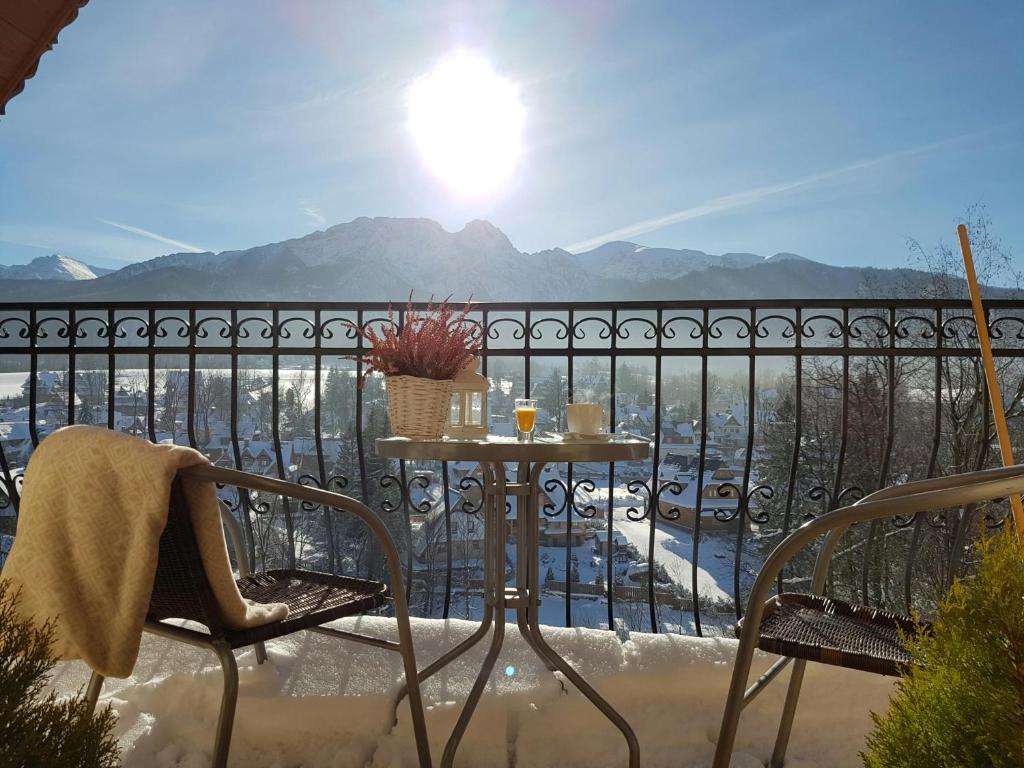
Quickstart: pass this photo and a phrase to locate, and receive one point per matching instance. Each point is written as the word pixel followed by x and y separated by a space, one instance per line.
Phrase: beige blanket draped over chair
pixel 93 506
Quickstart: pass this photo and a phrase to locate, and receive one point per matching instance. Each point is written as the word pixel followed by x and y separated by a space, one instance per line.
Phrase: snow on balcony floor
pixel 324 702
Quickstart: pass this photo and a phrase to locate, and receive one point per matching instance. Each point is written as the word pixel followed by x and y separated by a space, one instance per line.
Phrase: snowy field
pixel 319 703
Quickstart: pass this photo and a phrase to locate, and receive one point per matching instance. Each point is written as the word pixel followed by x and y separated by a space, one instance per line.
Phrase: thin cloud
pixel 315 216
pixel 756 195
pixel 154 236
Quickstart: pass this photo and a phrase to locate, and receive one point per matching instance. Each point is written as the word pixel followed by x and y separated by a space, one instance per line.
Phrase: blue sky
pixel 833 130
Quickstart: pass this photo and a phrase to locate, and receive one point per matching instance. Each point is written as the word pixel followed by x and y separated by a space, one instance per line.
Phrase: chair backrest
pixel 181 589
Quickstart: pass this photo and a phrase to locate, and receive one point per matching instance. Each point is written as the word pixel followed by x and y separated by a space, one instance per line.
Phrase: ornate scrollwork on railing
pixel 745 506
pixel 951 325
pixel 883 331
pixel 308 327
pixel 518 328
pixel 715 327
pixel 996 331
pixel 561 328
pixel 696 327
pixel 256 503
pixel 639 488
pixel 119 331
pixel 904 521
pixel 63 327
pixel 223 331
pixel 549 508
pixel 337 483
pixel 160 327
pixel 351 330
pixel 468 506
pixel 81 326
pixel 995 519
pixel 391 481
pixel 903 325
pixel 673 512
pixel 850 495
pixel 310 481
pixel 423 483
pixel 836 330
pixel 476 327
pixel 381 323
pixel 6 324
pixel 604 333
pixel 266 328
pixel 762 328
pixel 586 511
pixel 650 328
pixel 17 479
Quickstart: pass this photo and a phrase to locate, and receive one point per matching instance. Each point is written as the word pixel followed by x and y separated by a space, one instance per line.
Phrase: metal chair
pixel 811 627
pixel 181 591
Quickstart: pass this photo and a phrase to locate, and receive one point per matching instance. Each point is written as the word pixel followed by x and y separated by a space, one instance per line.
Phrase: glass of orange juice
pixel 526 418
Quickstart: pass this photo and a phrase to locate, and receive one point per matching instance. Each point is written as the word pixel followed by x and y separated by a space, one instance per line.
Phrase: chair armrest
pixel 912 498
pixel 329 499
pixel 824 558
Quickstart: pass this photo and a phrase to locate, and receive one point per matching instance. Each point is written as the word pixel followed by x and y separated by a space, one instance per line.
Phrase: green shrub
pixel 37 730
pixel 961 704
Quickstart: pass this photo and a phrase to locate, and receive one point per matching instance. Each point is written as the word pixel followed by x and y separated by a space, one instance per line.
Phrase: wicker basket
pixel 418 407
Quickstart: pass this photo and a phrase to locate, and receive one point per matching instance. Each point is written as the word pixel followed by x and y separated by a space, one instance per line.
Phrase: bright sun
pixel 467 123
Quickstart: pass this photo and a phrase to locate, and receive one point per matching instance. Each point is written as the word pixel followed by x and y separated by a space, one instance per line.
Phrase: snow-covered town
pixel 608 544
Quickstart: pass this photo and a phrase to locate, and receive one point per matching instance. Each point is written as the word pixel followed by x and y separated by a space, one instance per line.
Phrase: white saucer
pixel 580 437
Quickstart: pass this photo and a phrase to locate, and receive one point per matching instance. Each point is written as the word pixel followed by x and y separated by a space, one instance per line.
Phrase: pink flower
pixel 434 344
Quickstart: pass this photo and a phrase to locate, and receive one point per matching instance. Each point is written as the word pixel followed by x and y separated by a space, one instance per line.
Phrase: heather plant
pixel 961 702
pixel 435 343
pixel 38 728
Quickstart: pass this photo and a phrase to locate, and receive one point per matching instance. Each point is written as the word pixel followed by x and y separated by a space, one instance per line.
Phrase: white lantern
pixel 467 412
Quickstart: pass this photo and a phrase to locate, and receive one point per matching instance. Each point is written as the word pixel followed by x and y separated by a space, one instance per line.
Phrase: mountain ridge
pixel 384 259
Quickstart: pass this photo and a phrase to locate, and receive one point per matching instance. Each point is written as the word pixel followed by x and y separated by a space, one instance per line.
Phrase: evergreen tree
pixel 961 702
pixel 38 730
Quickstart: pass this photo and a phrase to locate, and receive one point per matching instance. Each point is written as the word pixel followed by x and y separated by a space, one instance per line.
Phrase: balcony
pixel 761 415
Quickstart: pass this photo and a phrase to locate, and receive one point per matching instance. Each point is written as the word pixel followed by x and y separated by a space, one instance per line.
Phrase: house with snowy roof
pixel 716 505
pixel 17 441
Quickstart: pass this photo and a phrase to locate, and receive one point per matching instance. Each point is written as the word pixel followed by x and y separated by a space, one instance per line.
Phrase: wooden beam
pixel 995 395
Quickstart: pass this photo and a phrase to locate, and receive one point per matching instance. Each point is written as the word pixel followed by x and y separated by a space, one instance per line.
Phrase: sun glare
pixel 467 123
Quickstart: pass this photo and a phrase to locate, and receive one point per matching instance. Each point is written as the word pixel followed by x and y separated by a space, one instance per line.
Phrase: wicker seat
pixel 312 599
pixel 834 632
pixel 181 591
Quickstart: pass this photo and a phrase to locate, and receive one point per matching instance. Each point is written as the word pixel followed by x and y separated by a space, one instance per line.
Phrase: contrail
pixel 154 236
pixel 752 196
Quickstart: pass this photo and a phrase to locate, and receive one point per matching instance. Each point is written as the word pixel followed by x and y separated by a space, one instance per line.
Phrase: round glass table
pixel 494 454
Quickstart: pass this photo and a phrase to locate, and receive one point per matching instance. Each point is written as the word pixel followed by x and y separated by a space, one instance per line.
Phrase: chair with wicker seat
pixel 181 591
pixel 813 627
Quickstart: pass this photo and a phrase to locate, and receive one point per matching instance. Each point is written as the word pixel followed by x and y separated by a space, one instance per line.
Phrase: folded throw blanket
pixel 93 507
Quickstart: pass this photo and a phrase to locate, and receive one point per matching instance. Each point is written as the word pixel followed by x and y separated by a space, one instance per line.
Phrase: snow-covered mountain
pixel 383 259
pixel 54 267
pixel 628 261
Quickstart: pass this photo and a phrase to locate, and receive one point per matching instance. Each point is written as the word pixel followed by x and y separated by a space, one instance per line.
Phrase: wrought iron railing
pixel 761 415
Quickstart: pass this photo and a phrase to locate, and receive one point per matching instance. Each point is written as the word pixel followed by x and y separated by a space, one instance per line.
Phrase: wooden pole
pixel 995 396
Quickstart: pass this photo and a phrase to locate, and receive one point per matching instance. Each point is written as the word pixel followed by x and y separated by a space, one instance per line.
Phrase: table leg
pixel 449 656
pixel 536 639
pixel 494 591
pixel 488 615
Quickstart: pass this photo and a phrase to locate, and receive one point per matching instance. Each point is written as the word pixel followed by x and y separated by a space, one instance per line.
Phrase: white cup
pixel 584 418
